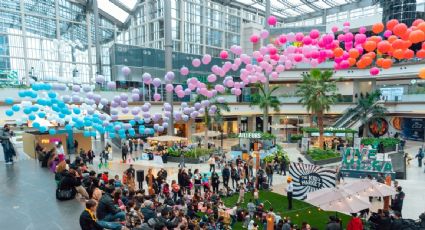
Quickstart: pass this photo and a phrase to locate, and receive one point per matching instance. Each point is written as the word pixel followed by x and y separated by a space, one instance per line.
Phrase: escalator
pixel 348 115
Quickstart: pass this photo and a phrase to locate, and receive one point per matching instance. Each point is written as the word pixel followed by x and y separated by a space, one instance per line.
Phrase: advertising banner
pixel 309 178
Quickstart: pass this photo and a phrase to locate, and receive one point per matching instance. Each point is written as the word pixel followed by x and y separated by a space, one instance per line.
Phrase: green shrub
pixel 280 153
pixel 387 141
pixel 232 135
pixel 320 154
pixel 192 153
pixel 296 137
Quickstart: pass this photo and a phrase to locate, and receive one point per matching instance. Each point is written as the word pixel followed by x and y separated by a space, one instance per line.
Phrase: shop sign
pixel 50 140
pixel 250 135
pixel 308 178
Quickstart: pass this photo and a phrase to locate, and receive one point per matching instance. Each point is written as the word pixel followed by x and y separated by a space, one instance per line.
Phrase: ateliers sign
pixel 250 135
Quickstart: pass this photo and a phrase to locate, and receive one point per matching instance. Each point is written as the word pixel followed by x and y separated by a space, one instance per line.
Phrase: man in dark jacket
pixel 8 149
pixel 397 203
pixel 107 212
pixel 163 221
pixel 397 222
pixel 283 166
pixel 124 152
pixel 87 217
pixel 226 175
pixel 333 224
pixel 148 210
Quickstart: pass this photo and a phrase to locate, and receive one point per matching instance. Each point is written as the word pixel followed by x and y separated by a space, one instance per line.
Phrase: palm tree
pixel 368 109
pixel 264 100
pixel 318 92
pixel 218 116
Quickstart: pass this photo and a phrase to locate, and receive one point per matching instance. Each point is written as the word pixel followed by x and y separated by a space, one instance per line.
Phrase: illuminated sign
pixel 250 135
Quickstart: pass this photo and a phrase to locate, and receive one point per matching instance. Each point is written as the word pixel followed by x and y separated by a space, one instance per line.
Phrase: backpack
pixel 65 194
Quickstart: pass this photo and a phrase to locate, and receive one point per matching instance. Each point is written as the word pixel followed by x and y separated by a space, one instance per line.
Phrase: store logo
pixel 250 135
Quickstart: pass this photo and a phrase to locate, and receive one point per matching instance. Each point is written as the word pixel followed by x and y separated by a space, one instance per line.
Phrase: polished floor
pixel 28 202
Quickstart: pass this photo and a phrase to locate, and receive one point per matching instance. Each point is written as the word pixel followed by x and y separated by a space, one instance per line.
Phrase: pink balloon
pixel 184 71
pixel 212 78
pixel 180 94
pixel 125 70
pixel 206 59
pixel 334 29
pixel 272 20
pixel 314 33
pixel 387 33
pixel 156 97
pixel 196 62
pixel 274 75
pixel 314 63
pixel 280 68
pixel 299 36
pixel 169 88
pixel 264 34
pixel 374 71
pixel 224 54
pixel 254 38
pixel 282 39
pixel 238 50
pixel 346 24
pixel 362 30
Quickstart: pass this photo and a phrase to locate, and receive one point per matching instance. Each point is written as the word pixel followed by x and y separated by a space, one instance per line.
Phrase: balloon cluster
pixel 344 48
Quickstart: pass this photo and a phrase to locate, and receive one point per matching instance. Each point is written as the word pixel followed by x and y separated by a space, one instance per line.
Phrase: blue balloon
pixel 61 115
pixel 47 86
pixel 76 110
pixel 33 94
pixel 34 108
pixel 93 133
pixel 36 125
pixel 152 131
pixel 132 122
pixel 68 127
pixel 86 133
pixel 22 94
pixel 43 129
pixel 16 108
pixel 141 121
pixel 88 123
pixel 8 101
pixel 51 94
pixel 9 112
pixel 52 131
pixel 42 114
pixel 27 110
pixel 31 117
pixel 112 135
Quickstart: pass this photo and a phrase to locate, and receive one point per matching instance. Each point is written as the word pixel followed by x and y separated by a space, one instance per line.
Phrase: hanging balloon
pixel 196 62
pixel 156 82
pixel 147 78
pixel 206 59
pixel 156 97
pixel 254 38
pixel 125 70
pixel 111 85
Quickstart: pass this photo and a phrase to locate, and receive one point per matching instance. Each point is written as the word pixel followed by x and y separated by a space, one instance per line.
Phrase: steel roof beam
pixel 336 9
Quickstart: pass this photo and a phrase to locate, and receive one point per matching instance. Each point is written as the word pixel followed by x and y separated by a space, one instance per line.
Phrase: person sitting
pixel 107 212
pixel 164 221
pixel 88 219
pixel 148 210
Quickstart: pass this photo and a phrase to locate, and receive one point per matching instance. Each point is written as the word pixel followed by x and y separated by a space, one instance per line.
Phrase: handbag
pixel 65 194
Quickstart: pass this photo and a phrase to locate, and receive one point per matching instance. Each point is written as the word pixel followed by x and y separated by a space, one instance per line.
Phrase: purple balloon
pixel 169 88
pixel 100 79
pixel 185 117
pixel 86 88
pixel 114 117
pixel 66 98
pixel 97 98
pixel 165 125
pixel 124 96
pixel 125 110
pixel 135 111
pixel 127 126
pixel 117 127
pixel 186 110
pixel 147 121
pixel 125 70
pixel 146 115
pixel 156 117
pixel 76 98
pixel 187 91
pixel 169 76
pixel 117 99
pixel 135 97
pixel 124 104
pixel 167 107
pixel 105 123
pixel 76 88
pixel 221 100
pixel 160 129
pixel 111 85
pixel 156 97
pixel 137 118
pixel 114 104
pixel 156 82
pixel 205 103
pixel 135 91
pixel 197 105
pixel 147 78
pixel 89 95
pixel 145 108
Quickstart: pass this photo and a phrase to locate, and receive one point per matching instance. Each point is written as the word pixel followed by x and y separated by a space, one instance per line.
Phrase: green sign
pixel 250 135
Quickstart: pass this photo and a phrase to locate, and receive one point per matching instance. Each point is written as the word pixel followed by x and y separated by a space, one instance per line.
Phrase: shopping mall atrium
pixel 212 114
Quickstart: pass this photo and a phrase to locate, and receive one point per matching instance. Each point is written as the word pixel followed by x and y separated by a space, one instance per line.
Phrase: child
pixel 165 190
pixel 256 196
pixel 205 183
pixel 117 182
pixel 241 193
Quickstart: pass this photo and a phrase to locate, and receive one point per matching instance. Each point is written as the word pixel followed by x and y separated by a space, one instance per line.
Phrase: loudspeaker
pixel 140 174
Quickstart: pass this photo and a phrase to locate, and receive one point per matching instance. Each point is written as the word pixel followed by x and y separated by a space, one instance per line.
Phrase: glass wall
pixel 51 41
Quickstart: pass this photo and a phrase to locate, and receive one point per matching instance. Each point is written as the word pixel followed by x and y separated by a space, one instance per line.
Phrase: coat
pixel 355 224
pixel 106 206
pixel 87 223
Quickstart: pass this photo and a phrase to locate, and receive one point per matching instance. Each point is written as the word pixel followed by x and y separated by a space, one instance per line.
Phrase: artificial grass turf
pixel 300 212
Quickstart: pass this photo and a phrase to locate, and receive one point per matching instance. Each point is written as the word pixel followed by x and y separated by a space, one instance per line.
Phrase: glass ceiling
pixel 114 10
pixel 293 8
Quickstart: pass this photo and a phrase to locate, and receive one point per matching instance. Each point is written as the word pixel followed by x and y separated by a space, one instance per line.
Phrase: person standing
pixel 420 156
pixel 269 172
pixel 289 191
pixel 251 166
pixel 130 146
pixel 225 173
pixel 215 181
pixel 283 164
pixel 8 149
pixel 355 223
pixel 181 163
pixel 211 162
pixel 124 152
pixel 397 204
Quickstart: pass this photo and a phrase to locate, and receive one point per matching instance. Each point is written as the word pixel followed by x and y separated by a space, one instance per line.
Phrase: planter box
pixel 390 149
pixel 324 161
pixel 187 160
